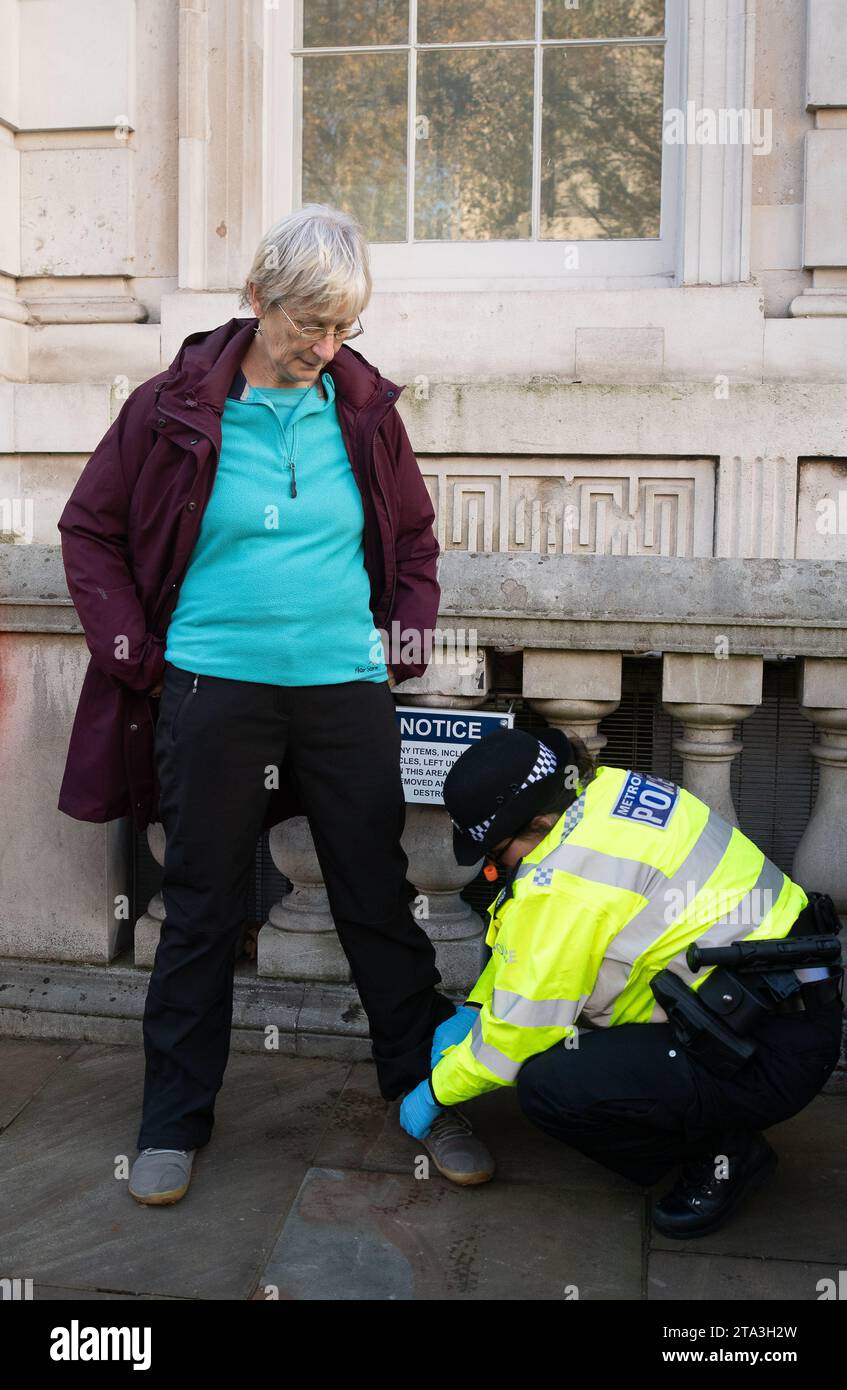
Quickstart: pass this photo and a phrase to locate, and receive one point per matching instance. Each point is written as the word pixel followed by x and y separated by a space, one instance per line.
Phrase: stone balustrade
pixel 713 623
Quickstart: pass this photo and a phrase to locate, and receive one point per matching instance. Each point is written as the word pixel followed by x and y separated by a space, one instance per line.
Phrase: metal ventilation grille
pixel 638 733
pixel 774 779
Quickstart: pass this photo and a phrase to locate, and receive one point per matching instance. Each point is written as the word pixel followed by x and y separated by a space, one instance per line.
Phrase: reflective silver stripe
pixel 597 867
pixel 697 868
pixel 737 924
pixel 491 1057
pixel 722 932
pixel 533 1013
pixel 649 922
pixel 649 925
pixel 761 898
pixel 611 981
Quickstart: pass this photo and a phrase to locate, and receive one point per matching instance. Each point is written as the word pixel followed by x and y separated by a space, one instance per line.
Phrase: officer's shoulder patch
pixel 647 799
pixel 543 876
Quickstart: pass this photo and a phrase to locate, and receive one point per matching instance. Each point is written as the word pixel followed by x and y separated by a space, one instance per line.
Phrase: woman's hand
pixel 156 691
pixel 391 681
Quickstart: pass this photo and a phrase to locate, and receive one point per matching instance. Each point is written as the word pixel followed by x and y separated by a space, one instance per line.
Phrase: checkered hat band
pixel 477 832
pixel 544 765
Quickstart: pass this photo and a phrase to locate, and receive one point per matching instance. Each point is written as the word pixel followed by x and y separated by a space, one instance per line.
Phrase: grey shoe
pixel 161 1176
pixel 456 1153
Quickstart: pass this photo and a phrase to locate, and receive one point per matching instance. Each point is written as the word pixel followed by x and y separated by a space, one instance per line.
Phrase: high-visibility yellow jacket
pixel 628 877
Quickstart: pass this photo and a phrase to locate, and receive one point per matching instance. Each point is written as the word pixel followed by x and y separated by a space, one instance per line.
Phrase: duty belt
pixel 818 994
pixel 812 997
pixel 717 1023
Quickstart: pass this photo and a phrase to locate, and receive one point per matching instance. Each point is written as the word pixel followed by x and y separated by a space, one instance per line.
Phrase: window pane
pixel 473 170
pixel 334 23
pixel 603 19
pixel 354 138
pixel 445 21
pixel 601 142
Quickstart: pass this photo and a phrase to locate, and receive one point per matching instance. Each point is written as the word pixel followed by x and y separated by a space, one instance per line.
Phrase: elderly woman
pixel 250 524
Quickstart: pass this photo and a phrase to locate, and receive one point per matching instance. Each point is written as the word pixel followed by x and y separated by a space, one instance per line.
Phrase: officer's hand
pixel 419 1111
pixel 156 691
pixel 452 1031
pixel 391 681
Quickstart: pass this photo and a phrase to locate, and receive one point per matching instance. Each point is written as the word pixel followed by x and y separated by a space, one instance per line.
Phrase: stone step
pixel 96 1003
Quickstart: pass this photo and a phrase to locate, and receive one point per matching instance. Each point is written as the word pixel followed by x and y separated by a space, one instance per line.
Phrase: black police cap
pixel 498 785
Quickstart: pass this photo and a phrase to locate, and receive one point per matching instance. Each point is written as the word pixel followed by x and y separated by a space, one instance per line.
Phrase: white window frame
pixel 519 263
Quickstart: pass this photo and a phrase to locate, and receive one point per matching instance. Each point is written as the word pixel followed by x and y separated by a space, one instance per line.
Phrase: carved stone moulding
pixel 573 506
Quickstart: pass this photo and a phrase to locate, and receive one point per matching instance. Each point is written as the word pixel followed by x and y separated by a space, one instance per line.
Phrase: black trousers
pixel 631 1098
pixel 214 746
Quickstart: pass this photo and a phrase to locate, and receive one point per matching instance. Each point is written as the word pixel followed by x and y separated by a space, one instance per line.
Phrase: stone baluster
pixel 299 940
pixel 455 929
pixel 148 928
pixel 149 925
pixel 820 861
pixel 709 695
pixel 573 690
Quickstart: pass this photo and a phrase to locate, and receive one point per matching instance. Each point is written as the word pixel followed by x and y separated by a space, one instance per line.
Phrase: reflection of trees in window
pixel 473 172
pixel 603 19
pixel 354 138
pixel 601 118
pixel 338 23
pixel 451 21
pixel 601 143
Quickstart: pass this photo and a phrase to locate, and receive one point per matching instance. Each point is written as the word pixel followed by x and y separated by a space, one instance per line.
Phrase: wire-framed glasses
pixel 313 333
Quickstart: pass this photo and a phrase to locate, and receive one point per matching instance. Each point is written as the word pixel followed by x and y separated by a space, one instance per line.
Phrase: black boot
pixel 700 1201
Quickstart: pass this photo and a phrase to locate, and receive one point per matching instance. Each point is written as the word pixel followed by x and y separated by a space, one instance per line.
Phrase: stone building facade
pixel 626 383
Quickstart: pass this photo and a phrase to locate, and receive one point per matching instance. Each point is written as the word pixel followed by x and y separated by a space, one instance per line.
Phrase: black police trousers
pixel 213 748
pixel 631 1098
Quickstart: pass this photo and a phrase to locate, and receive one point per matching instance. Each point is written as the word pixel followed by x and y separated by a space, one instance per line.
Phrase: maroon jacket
pixel 129 527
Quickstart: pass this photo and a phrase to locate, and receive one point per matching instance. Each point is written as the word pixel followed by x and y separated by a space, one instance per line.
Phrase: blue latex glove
pixel 452 1031
pixel 419 1110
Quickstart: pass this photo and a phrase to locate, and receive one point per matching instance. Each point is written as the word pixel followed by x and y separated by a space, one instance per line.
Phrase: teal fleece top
pixel 276 588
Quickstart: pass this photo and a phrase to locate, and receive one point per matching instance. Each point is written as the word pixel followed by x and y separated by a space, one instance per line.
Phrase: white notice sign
pixel 432 741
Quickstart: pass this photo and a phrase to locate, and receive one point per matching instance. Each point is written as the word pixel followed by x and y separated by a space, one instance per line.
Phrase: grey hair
pixel 315 257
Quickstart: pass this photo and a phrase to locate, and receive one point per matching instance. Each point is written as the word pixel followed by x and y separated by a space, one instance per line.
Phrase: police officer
pixel 611 874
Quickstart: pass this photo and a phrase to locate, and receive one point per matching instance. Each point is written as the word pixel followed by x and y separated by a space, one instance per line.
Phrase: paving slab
pixel 364 1133
pixel 66 1221
pixel 24 1068
pixel 387 1236
pixel 699 1278
pixel 309 1186
pixel 799 1213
